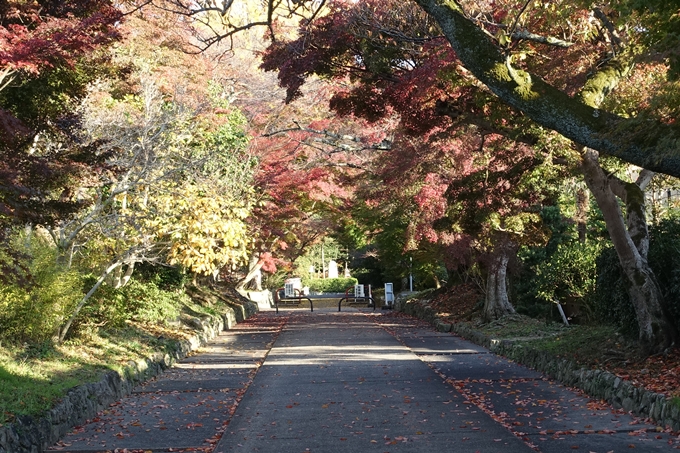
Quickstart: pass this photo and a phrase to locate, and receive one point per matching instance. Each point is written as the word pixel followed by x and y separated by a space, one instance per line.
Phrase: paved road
pixel 356 381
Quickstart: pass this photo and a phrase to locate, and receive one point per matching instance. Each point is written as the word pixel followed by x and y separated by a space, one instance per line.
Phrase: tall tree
pixel 498 43
pixel 44 47
pixel 302 183
pixel 307 158
pixel 453 137
pixel 175 187
pixel 492 58
pixel 518 51
pixel 498 46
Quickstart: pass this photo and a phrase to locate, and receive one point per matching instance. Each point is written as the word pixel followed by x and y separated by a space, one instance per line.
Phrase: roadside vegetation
pixel 155 150
pixel 593 345
pixel 150 314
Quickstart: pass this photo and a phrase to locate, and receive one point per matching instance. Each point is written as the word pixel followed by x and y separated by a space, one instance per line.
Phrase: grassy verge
pixel 34 377
pixel 590 346
pixel 587 345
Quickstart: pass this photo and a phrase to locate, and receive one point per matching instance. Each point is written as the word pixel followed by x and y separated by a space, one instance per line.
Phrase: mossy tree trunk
pixel 630 237
pixel 578 118
pixel 497 303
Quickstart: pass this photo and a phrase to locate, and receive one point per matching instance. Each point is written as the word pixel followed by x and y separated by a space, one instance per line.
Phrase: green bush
pixel 569 274
pixel 329 285
pixel 537 282
pixel 106 308
pixel 569 277
pixel 613 303
pixel 664 258
pixel 276 280
pixel 138 301
pixel 34 313
pixel 523 284
pixel 148 303
pixel 167 278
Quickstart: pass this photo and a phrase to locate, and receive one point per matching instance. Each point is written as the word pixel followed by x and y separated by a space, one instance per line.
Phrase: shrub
pixel 34 313
pixel 148 303
pixel 664 258
pixel 566 275
pixel 167 278
pixel 613 303
pixel 569 276
pixel 139 301
pixel 537 282
pixel 106 308
pixel 329 285
pixel 275 280
pixel 524 284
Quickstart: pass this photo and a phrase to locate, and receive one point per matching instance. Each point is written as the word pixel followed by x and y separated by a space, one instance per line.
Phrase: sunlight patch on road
pixel 214 366
pixel 323 354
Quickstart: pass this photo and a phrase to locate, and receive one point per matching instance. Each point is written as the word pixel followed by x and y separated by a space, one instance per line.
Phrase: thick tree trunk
pixel 631 242
pixel 577 118
pixel 580 119
pixel 497 303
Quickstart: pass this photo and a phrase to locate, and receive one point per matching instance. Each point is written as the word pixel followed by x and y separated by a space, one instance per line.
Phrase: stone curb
pixel 598 384
pixel 34 435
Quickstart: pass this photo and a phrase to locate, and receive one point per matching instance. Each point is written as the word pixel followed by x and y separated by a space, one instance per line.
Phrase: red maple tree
pixel 42 40
pixel 456 158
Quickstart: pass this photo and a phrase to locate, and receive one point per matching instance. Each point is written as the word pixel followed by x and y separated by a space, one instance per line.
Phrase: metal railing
pixel 355 297
pixel 298 297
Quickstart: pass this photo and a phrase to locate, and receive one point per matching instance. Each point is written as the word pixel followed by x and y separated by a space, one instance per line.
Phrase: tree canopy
pixel 518 51
pixel 386 66
pixel 439 131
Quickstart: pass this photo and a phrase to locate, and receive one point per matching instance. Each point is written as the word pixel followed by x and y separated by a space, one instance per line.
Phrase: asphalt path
pixel 356 380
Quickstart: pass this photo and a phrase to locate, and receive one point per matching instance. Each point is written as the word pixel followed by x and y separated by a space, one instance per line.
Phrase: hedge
pixel 329 285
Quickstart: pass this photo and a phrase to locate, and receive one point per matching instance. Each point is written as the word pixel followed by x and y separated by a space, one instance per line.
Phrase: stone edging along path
pixel 599 384
pixel 30 435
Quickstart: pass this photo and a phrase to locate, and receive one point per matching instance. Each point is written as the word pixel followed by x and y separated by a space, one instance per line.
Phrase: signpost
pixel 389 295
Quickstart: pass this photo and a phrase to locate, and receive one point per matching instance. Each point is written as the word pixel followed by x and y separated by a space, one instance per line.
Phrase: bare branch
pixel 333 139
pixel 6 77
pixel 521 11
pixel 219 21
pixel 137 7
pixel 613 35
pixel 526 35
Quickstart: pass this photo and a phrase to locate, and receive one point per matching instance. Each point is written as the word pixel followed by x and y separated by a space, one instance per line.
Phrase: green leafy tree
pixel 180 194
pixel 35 313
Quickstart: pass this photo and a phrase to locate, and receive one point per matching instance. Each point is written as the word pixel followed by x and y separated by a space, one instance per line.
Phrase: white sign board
pixel 389 294
pixel 291 285
pixel 359 291
pixel 332 269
